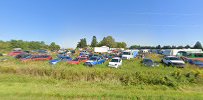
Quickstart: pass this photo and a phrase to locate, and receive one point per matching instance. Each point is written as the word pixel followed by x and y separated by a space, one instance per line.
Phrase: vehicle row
pixel 93 59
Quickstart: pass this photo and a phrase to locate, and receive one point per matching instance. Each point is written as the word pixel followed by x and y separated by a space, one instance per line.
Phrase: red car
pixel 37 58
pixel 15 53
pixel 78 60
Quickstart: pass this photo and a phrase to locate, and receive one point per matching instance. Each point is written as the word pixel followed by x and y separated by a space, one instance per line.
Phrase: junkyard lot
pixel 40 80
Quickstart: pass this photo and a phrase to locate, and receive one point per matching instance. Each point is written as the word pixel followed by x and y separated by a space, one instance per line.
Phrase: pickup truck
pixel 173 61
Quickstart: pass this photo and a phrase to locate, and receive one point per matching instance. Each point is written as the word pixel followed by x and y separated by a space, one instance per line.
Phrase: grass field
pixel 39 80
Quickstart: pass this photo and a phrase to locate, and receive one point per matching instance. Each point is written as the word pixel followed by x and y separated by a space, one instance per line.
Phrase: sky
pixel 136 22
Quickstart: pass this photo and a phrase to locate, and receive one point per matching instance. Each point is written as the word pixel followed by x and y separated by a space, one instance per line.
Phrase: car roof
pixel 116 58
pixel 171 56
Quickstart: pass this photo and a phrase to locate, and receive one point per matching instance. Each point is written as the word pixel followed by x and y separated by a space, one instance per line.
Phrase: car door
pixel 165 60
pixel 121 61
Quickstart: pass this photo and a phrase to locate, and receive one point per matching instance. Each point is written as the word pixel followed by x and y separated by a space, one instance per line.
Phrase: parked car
pixel 23 55
pixel 173 61
pixel 108 56
pixel 15 53
pixel 64 58
pixel 198 63
pixel 149 62
pixel 193 56
pixel 62 54
pixel 115 62
pixel 78 60
pixel 94 61
pixel 36 58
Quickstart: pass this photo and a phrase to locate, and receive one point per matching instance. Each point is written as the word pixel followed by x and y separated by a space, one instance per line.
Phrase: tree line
pixel 198 45
pixel 27 45
pixel 107 41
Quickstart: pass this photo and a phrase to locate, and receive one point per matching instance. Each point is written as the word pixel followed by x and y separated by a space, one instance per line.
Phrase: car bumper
pixel 88 64
pixel 113 66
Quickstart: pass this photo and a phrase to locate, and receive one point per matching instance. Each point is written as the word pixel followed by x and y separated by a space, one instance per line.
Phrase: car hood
pixel 90 61
pixel 177 61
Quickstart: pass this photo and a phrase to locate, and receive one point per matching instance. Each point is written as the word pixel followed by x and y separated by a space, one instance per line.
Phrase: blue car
pixel 64 58
pixel 196 62
pixel 94 61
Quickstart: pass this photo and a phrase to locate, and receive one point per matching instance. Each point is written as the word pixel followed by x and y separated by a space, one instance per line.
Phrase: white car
pixel 173 61
pixel 115 62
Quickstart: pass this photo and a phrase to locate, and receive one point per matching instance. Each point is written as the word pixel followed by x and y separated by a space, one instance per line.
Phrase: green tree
pixel 121 45
pixel 180 47
pixel 158 47
pixel 94 41
pixel 82 43
pixel 187 46
pixel 54 47
pixel 108 41
pixel 19 44
pixel 135 47
pixel 198 45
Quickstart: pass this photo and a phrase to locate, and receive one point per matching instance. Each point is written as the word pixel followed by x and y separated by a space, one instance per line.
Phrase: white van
pixel 115 62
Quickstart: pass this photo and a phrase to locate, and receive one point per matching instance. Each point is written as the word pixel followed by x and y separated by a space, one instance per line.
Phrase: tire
pixel 169 64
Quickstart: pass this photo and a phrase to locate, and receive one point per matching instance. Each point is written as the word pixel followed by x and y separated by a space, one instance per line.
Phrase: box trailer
pixel 176 52
pixel 128 54
pixel 103 49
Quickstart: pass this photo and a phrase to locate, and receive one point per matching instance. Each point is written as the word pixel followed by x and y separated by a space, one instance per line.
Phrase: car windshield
pixel 114 60
pixel 28 57
pixel 93 58
pixel 174 58
pixel 126 53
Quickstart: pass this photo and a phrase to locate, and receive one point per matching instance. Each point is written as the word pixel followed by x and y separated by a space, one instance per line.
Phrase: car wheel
pixel 162 61
pixel 169 64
